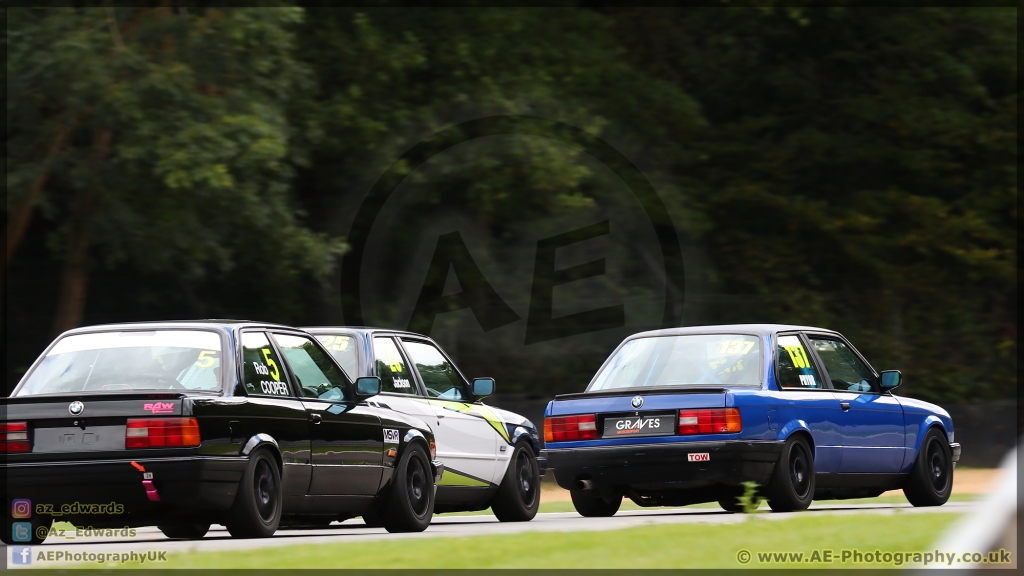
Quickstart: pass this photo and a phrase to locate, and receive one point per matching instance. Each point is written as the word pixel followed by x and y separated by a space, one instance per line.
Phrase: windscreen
pixel 165 360
pixel 692 360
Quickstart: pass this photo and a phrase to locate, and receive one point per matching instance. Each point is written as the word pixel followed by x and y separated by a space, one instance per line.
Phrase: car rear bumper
pixel 666 465
pixel 118 492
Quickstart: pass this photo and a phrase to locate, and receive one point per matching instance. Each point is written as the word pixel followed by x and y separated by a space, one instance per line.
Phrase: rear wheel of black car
pixel 410 504
pixel 256 512
pixel 931 478
pixel 187 531
pixel 592 505
pixel 34 533
pixel 792 484
pixel 518 496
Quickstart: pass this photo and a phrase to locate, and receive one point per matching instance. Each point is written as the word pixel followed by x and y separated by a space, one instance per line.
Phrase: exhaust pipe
pixel 584 485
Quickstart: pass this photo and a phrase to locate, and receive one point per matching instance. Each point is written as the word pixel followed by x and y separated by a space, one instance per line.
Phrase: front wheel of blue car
pixel 792 484
pixel 931 479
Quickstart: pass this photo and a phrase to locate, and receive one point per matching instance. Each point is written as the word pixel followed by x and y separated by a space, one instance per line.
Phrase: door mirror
pixel 891 379
pixel 367 386
pixel 482 387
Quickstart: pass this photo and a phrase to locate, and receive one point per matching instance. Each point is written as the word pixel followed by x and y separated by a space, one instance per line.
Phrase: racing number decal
pixel 735 346
pixel 336 342
pixel 206 358
pixel 799 357
pixel 275 372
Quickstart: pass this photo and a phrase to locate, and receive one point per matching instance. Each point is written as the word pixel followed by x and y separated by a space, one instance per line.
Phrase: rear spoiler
pixel 644 391
pixel 94 395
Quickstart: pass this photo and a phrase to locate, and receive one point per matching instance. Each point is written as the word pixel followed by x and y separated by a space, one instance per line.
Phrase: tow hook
pixel 147 483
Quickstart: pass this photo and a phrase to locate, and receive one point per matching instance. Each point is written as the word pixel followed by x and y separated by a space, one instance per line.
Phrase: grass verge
pixel 661 546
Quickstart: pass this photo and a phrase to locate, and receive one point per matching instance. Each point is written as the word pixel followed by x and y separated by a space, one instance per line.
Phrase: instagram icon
pixel 21 508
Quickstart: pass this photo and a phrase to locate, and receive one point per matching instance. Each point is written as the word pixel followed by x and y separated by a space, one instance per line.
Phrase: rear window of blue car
pixel 690 360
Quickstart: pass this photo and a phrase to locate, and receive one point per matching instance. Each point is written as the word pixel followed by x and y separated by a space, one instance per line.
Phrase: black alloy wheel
pixel 930 481
pixel 417 484
pixel 518 495
pixel 256 512
pixel 791 486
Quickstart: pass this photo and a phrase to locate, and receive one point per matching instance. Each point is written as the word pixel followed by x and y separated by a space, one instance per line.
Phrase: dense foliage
pixel 848 168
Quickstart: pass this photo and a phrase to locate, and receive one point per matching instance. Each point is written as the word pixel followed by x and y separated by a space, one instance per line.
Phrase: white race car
pixel 490 455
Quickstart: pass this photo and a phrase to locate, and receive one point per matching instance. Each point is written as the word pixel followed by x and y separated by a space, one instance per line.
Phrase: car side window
pixel 343 349
pixel 394 375
pixel 795 368
pixel 263 372
pixel 845 369
pixel 315 372
pixel 439 376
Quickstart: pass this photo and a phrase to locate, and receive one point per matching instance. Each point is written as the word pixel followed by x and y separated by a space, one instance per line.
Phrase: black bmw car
pixel 186 424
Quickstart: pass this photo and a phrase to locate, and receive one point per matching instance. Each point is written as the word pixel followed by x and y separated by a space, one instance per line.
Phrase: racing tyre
pixel 256 512
pixel 931 478
pixel 31 534
pixel 410 505
pixel 373 520
pixel 518 495
pixel 594 506
pixel 185 531
pixel 792 484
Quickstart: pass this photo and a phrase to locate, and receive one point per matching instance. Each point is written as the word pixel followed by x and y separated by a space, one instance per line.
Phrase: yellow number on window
pixel 275 372
pixel 206 358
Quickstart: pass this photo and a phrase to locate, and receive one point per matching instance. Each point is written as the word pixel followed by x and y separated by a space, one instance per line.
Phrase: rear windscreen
pixel 165 360
pixel 692 360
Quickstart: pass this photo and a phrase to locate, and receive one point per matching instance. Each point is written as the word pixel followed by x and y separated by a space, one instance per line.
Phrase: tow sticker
pixel 390 436
pixel 698 457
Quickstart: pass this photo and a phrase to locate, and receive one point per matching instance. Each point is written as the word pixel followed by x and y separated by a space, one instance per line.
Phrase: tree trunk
pixel 74 281
pixel 21 216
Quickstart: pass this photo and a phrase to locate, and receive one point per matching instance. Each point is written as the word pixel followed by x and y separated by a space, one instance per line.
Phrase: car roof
pixel 758 329
pixel 223 324
pixel 358 329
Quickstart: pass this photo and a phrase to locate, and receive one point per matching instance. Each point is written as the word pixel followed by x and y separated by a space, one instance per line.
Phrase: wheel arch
pixel 260 440
pixel 799 427
pixel 414 436
pixel 927 425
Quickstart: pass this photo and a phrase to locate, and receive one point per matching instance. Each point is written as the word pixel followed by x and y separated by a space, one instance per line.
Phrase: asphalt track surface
pixel 457 526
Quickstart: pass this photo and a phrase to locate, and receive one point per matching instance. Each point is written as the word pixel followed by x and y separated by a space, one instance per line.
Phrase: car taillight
pixel 161 433
pixel 15 437
pixel 564 428
pixel 710 421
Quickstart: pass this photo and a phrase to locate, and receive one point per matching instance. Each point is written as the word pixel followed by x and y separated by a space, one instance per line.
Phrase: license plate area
pixel 91 439
pixel 635 425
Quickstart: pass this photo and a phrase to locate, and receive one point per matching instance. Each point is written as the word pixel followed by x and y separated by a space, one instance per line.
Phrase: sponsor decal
pixel 159 407
pixel 390 436
pixel 698 457
pixel 629 426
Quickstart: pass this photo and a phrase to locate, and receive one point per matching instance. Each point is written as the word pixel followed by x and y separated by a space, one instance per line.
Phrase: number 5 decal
pixel 206 358
pixel 275 372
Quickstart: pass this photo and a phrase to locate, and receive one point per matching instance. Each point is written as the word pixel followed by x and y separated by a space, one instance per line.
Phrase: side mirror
pixel 890 379
pixel 367 386
pixel 482 387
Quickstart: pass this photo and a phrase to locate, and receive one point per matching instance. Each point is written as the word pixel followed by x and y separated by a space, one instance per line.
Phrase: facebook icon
pixel 21 554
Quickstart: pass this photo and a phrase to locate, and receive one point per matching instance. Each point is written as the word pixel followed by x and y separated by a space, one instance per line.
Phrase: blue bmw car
pixel 688 415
